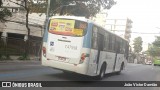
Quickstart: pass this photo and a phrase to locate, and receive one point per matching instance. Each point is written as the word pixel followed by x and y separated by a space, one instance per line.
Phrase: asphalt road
pixel 33 71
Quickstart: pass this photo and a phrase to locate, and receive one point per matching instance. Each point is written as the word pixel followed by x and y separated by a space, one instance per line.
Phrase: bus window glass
pixel 106 42
pixel 67 27
pixel 117 45
pixel 94 38
pixel 110 42
pixel 121 46
pixel 126 50
pixel 113 43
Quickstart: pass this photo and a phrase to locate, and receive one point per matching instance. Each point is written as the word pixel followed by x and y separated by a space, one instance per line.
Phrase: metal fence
pixel 16 47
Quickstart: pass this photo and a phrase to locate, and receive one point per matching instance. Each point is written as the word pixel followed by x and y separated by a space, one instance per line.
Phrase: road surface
pixel 34 71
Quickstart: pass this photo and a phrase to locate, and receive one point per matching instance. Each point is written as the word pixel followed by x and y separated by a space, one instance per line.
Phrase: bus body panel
pixel 77 68
pixel 64 46
pixel 65 53
pixel 108 57
pixel 120 59
pixel 92 67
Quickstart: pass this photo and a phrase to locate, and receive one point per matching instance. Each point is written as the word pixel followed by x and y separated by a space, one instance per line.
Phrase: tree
pixel 81 8
pixel 26 5
pixel 4 13
pixel 137 44
pixel 154 49
pixel 157 41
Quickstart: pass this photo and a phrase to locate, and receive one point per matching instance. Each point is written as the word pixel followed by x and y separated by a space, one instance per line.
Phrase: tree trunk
pixel 62 10
pixel 28 29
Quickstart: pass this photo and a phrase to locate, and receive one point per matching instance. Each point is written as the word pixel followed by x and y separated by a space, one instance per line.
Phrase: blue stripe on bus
pixel 45 36
pixel 87 37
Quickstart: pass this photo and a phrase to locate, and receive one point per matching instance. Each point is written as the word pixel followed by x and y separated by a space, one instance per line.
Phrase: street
pixel 33 71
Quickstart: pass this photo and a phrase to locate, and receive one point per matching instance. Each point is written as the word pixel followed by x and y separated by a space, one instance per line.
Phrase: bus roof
pixel 84 20
pixel 72 17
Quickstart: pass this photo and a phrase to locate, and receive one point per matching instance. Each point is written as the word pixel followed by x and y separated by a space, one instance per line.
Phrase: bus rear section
pixel 63 48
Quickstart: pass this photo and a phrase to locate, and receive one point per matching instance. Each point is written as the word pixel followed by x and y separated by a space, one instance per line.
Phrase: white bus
pixel 78 45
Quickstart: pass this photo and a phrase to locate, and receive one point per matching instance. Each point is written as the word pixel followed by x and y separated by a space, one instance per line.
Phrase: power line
pixel 144 33
pixel 134 32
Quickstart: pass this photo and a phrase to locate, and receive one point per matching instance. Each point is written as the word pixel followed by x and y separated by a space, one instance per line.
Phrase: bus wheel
pixel 67 72
pixel 122 67
pixel 102 72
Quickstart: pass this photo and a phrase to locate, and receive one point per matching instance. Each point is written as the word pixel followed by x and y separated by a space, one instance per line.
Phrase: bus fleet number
pixel 71 47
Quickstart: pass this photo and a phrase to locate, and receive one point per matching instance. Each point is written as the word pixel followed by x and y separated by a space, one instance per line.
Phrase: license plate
pixel 61 59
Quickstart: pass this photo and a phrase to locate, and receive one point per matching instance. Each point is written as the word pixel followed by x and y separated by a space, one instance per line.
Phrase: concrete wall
pixel 7 3
pixel 36 24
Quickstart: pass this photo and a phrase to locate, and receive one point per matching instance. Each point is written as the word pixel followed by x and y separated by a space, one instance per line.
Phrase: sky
pixel 145 15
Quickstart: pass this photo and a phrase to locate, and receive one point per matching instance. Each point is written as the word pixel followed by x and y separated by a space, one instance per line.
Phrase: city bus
pixel 76 44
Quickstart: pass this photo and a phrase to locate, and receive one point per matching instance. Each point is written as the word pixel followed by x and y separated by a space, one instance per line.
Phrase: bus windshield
pixel 67 27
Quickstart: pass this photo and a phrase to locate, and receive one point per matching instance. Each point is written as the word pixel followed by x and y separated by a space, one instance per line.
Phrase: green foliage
pixel 5 57
pixel 63 7
pixel 24 57
pixel 133 55
pixel 78 8
pixel 137 44
pixel 154 49
pixel 157 41
pixel 4 13
pixel 81 8
pixel 0 56
pixel 1 3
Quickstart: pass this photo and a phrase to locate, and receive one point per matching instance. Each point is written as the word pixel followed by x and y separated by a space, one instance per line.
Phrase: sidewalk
pixel 15 60
pixel 18 61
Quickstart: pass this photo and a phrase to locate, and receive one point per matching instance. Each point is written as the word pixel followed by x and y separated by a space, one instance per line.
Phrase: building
pixel 121 27
pixel 15 29
pixel 17 22
pixel 100 18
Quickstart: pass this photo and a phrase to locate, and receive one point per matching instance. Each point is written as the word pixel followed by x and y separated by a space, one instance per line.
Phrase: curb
pixel 18 61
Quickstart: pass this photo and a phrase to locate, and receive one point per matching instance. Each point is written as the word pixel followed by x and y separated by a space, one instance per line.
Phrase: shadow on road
pixel 77 77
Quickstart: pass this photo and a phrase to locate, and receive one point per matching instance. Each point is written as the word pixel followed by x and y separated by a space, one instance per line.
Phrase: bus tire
pixel 102 71
pixel 67 72
pixel 122 67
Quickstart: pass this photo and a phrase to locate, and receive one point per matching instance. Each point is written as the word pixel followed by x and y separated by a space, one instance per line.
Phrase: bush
pixel 5 57
pixel 24 57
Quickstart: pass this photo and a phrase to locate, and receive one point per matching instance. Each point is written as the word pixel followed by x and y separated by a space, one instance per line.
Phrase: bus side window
pixel 121 46
pixel 113 43
pixel 100 41
pixel 110 42
pixel 126 50
pixel 106 42
pixel 117 45
pixel 94 37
